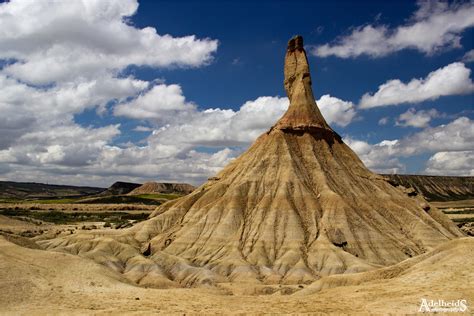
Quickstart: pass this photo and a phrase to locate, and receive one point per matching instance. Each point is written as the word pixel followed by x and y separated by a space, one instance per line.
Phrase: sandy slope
pixel 42 282
pixel 15 225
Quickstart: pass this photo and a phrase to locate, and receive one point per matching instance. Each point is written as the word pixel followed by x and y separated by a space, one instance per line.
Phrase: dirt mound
pixel 28 277
pixel 420 269
pixel 436 188
pixel 166 188
pixel 298 205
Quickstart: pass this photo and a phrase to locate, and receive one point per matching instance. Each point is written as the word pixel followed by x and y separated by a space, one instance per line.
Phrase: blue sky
pixel 252 40
pixel 117 90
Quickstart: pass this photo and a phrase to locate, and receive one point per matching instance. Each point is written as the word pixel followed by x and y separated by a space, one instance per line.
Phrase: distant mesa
pixel 128 188
pixel 40 191
pixel 119 188
pixel 436 188
pixel 298 205
pixel 164 188
pixel 33 190
pixel 433 188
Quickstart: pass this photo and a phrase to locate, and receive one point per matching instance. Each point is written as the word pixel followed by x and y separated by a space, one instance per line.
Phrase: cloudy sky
pixel 96 91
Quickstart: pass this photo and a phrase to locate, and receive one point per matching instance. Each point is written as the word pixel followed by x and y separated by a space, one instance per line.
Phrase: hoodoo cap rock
pixel 303 113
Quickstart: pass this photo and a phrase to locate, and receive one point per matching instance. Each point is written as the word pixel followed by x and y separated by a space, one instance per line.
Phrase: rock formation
pixel 167 188
pixel 436 188
pixel 296 206
pixel 119 188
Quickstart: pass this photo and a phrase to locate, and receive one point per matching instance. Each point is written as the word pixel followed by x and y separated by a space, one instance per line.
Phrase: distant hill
pixel 32 190
pixel 433 188
pixel 119 188
pixel 166 188
pixel 437 188
pixel 42 191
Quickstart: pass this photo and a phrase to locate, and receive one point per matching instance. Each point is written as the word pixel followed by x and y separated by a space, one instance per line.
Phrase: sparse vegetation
pixel 67 218
pixel 465 211
pixel 56 201
pixel 156 196
pixel 463 220
pixel 121 199
pixel 146 199
pixel 10 200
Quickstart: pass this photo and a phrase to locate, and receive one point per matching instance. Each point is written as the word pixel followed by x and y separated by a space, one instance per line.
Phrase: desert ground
pixel 36 281
pixel 41 282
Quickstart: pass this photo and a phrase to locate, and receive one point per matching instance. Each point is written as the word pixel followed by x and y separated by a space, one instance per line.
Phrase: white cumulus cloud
pixel 29 110
pixel 450 140
pixel 435 26
pixel 61 58
pixel 415 118
pixel 61 40
pixel 459 163
pixel 453 79
pixel 161 101
pixel 167 104
pixel 336 110
pixel 468 56
pixel 384 120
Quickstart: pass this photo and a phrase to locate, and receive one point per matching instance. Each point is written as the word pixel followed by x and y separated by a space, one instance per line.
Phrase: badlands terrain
pixel 296 224
pixel 35 281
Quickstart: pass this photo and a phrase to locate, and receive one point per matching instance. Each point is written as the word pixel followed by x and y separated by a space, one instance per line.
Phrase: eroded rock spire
pixel 303 113
pixel 298 205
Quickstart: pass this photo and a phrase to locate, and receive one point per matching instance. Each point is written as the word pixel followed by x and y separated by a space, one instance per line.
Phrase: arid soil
pixel 42 282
